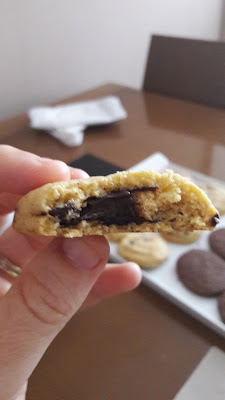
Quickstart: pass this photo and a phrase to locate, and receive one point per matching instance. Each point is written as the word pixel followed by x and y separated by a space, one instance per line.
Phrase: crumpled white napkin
pixel 68 122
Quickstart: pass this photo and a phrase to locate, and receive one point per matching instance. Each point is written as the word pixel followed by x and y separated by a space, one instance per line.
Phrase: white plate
pixel 164 278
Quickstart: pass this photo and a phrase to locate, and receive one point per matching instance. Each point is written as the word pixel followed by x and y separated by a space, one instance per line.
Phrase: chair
pixel 189 69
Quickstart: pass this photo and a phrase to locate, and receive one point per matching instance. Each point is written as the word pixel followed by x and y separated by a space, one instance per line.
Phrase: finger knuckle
pixel 41 302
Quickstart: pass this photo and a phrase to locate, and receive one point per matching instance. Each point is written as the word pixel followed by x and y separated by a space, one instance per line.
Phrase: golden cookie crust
pixel 174 204
pixel 146 249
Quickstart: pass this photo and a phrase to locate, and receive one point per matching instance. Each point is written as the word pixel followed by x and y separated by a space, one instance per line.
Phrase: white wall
pixel 50 49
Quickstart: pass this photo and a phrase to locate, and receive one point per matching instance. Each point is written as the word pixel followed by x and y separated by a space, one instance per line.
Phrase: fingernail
pixel 45 159
pixel 83 174
pixel 60 165
pixel 80 253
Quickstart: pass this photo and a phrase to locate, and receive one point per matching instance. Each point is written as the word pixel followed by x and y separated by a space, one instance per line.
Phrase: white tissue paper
pixel 68 122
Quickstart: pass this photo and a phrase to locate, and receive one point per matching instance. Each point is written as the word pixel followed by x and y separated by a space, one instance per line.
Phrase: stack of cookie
pixel 203 272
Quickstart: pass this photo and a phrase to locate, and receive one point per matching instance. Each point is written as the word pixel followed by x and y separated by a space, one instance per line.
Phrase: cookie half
pixel 146 249
pixel 203 272
pixel 123 202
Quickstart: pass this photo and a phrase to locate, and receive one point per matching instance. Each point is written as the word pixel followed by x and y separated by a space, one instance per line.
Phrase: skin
pixel 59 276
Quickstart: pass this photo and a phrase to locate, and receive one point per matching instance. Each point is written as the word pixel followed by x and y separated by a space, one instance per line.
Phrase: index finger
pixel 21 171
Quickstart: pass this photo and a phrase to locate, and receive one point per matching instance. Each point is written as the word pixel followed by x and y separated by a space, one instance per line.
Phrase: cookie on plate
pixel 116 237
pixel 217 242
pixel 146 249
pixel 182 172
pixel 221 305
pixel 216 194
pixel 181 237
pixel 123 202
pixel 201 271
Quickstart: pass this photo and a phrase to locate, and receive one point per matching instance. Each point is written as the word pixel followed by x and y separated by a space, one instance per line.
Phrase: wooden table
pixel 138 345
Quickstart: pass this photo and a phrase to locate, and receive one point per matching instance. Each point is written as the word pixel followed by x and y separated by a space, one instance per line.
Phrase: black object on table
pixel 94 166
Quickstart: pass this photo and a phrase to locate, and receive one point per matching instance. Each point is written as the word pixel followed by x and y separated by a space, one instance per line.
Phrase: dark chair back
pixel 188 69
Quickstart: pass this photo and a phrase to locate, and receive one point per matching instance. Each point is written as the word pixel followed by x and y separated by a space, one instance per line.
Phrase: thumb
pixel 42 300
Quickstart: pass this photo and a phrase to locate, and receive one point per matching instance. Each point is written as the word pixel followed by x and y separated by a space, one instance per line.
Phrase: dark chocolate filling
pixel 115 208
pixel 215 220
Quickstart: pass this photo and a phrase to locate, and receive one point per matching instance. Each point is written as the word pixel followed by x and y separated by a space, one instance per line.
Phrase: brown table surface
pixel 138 345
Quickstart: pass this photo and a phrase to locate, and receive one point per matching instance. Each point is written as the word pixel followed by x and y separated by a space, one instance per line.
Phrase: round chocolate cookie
pixel 217 242
pixel 221 305
pixel 203 272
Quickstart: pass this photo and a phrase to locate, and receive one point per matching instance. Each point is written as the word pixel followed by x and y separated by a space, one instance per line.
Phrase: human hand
pixel 59 276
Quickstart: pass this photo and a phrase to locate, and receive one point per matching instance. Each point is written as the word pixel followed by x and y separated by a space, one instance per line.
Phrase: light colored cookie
pixel 182 172
pixel 123 202
pixel 181 237
pixel 116 237
pixel 216 193
pixel 146 249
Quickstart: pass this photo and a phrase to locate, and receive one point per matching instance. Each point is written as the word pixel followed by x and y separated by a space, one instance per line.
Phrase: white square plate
pixel 164 278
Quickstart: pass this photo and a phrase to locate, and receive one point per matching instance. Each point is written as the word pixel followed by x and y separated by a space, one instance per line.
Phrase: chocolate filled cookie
pixel 221 305
pixel 146 249
pixel 217 242
pixel 203 272
pixel 123 202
